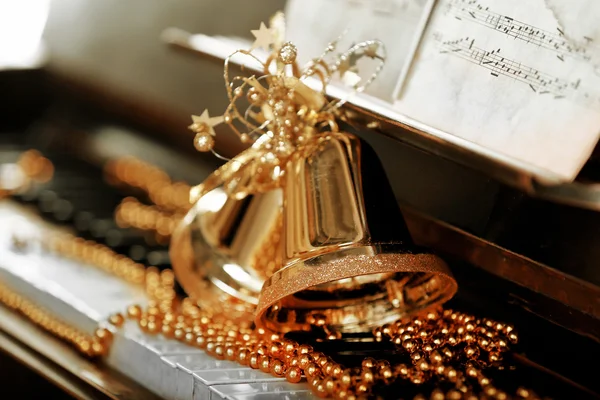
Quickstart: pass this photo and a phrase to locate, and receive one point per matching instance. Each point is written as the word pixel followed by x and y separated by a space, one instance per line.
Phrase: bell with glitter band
pixel 306 207
pixel 348 261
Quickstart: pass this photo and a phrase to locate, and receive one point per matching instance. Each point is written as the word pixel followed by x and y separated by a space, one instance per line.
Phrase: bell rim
pixel 301 275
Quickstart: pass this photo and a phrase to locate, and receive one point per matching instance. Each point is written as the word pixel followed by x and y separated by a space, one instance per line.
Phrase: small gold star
pixel 371 50
pixel 264 37
pixel 343 66
pixel 348 63
pixel 205 122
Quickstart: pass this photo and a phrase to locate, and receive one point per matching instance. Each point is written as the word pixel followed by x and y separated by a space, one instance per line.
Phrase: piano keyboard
pixel 85 297
pixel 79 200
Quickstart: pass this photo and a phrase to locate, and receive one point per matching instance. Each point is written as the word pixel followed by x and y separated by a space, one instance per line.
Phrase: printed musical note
pixel 470 10
pixel 539 82
pixel 516 77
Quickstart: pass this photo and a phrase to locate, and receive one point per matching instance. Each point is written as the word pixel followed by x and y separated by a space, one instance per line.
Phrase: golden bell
pixel 226 245
pixel 348 261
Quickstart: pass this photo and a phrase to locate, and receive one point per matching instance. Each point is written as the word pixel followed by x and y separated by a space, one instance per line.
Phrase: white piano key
pixel 172 347
pixel 239 375
pixel 25 278
pixel 299 395
pixel 176 377
pixel 187 364
pixel 200 391
pixel 144 357
pixel 168 379
pixel 139 362
pixel 231 391
pixel 201 362
pixel 204 379
pixel 127 353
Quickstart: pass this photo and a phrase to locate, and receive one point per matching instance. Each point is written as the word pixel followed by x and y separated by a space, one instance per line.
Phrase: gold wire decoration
pixel 280 110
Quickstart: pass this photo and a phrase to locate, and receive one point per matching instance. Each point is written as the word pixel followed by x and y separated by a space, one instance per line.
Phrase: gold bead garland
pixel 96 254
pixel 445 347
pixel 150 179
pixel 91 345
pixel 34 168
pixel 132 213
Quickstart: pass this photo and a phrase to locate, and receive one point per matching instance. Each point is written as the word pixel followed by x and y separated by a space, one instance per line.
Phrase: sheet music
pixel 519 77
pixel 312 24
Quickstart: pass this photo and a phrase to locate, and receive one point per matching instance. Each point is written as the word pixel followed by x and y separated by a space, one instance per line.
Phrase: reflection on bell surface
pixel 226 244
pixel 348 261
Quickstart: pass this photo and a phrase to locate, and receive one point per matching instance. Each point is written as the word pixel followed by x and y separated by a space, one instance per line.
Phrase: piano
pixel 107 82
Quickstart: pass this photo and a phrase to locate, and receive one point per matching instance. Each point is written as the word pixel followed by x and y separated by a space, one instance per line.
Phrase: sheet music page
pixel 518 77
pixel 313 24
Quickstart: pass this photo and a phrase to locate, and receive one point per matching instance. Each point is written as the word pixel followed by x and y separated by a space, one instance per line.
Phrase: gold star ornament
pixel 203 125
pixel 264 37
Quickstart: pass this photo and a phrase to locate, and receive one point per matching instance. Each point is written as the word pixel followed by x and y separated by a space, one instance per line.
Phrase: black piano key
pixel 82 221
pixel 118 238
pixel 138 253
pixel 45 200
pixel 70 185
pixel 99 227
pixel 62 210
pixel 158 257
pixel 30 194
pixel 103 207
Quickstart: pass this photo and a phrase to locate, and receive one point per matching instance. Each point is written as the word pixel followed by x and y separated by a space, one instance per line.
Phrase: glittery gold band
pixel 353 290
pixel 306 206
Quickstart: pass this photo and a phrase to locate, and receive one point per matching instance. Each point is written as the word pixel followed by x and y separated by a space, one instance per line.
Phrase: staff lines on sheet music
pixel 471 11
pixel 539 82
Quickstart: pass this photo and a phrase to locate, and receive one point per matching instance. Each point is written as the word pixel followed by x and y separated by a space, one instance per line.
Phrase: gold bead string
pixel 92 253
pixel 439 342
pixel 434 345
pixel 91 345
pixel 447 347
pixel 132 213
pixel 150 179
pixel 158 285
pixel 34 168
